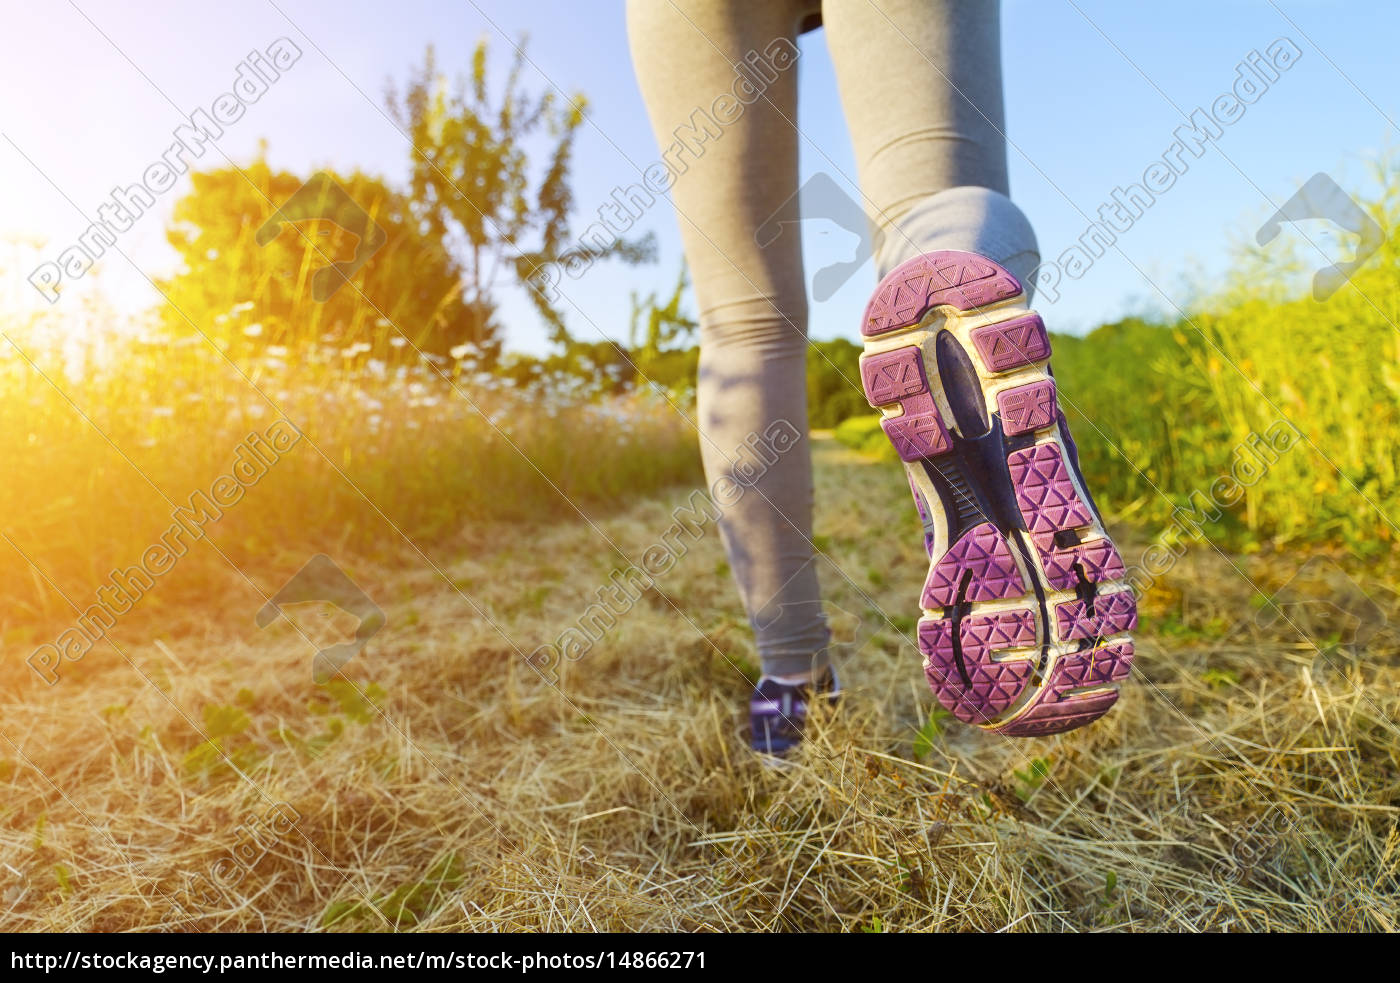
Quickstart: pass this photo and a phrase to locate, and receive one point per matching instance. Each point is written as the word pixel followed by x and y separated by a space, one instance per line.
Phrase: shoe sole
pixel 1026 613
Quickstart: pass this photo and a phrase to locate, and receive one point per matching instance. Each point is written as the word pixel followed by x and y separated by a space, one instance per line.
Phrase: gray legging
pixel 920 83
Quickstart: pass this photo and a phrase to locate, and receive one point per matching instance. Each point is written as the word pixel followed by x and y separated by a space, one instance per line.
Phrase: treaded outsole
pixel 1025 612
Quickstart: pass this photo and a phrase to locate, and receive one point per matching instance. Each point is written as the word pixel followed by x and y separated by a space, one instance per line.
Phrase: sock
pixel 801 678
pixel 978 220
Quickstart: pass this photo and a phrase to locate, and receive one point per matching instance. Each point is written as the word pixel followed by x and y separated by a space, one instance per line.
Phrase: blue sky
pixel 84 112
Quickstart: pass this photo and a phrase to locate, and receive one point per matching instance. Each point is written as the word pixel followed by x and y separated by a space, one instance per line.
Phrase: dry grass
pixel 474 797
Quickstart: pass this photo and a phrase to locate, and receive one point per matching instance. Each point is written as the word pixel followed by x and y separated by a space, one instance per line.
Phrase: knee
pixel 766 325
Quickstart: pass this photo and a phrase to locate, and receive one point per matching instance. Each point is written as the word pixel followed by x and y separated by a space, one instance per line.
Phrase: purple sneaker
pixel 778 712
pixel 1025 608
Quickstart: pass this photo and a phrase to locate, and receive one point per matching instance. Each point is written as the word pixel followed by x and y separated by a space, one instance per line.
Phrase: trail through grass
pixel 1248 778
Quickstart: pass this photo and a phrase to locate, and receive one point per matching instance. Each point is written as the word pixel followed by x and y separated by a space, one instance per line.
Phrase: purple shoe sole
pixel 1026 612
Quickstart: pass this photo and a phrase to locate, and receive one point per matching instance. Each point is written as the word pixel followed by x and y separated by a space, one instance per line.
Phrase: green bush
pixel 864 434
pixel 833 383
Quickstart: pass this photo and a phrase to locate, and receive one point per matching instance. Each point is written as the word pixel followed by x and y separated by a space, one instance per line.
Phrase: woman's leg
pixel 752 301
pixel 1026 613
pixel 921 86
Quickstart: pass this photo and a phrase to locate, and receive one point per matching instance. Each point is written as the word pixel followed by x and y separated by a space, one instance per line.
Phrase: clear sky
pixel 94 89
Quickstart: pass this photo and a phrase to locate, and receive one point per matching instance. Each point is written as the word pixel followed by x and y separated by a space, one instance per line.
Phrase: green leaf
pixel 65 882
pixel 224 721
pixel 930 732
pixel 338 911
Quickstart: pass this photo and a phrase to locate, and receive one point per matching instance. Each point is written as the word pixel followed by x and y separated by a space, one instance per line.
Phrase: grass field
pixel 1248 779
pixel 186 772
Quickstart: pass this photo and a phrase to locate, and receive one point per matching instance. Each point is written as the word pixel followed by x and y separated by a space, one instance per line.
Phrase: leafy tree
pixel 250 295
pixel 473 188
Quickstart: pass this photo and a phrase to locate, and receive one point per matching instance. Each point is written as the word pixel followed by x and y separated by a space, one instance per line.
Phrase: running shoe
pixel 1026 612
pixel 778 712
